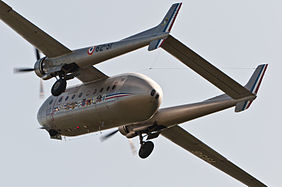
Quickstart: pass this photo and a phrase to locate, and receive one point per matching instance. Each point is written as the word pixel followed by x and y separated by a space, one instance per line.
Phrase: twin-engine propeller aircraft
pixel 129 102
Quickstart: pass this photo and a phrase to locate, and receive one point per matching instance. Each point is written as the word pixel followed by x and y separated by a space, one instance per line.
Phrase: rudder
pixel 253 86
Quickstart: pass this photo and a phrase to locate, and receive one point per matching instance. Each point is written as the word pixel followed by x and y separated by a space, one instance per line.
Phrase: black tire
pixel 52 132
pixel 59 87
pixel 146 149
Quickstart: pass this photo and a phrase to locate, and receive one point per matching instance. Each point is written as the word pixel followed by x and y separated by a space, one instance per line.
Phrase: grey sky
pixel 235 36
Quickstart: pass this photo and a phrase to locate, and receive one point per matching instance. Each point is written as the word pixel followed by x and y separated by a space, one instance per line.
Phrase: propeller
pixel 132 147
pixel 107 136
pixel 25 70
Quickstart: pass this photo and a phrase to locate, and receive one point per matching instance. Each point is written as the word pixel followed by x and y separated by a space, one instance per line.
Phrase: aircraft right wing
pixel 34 35
pixel 187 141
pixel 204 68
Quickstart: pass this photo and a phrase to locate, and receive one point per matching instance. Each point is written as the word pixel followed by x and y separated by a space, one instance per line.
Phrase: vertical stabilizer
pixel 253 86
pixel 166 25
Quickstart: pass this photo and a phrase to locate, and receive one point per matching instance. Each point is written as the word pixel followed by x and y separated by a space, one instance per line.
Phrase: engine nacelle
pixel 38 67
pixel 125 130
pixel 42 68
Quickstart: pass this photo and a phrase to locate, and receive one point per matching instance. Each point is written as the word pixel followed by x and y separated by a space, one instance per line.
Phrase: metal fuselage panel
pixel 101 105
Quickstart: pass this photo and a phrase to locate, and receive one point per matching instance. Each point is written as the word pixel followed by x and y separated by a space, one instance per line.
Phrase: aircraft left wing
pixel 187 141
pixel 34 35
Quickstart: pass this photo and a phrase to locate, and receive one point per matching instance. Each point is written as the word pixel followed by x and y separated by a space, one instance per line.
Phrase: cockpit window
pixel 153 92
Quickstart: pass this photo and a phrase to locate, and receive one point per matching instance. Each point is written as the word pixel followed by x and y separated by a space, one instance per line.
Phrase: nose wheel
pixel 146 148
pixel 59 87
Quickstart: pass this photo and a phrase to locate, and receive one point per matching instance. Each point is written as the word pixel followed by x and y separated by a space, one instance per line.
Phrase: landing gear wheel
pixel 59 87
pixel 146 149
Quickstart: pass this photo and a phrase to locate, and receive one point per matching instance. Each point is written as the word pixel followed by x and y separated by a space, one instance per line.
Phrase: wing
pixel 187 141
pixel 34 35
pixel 90 74
pixel 44 42
pixel 204 68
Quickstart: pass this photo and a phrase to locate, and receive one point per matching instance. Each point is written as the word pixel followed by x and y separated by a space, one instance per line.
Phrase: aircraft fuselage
pixel 116 101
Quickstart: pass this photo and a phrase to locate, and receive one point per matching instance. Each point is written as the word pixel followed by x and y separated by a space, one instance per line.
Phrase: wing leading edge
pixel 187 141
pixel 34 35
pixel 44 42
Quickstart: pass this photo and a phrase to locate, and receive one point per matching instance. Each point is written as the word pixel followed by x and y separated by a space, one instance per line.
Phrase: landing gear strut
pixel 146 148
pixel 59 87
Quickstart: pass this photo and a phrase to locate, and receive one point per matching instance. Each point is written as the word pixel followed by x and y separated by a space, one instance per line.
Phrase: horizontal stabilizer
pixel 205 69
pixel 253 86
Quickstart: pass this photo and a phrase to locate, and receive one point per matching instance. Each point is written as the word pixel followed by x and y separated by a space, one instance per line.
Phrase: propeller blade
pixel 23 70
pixel 105 137
pixel 132 147
pixel 37 54
pixel 41 95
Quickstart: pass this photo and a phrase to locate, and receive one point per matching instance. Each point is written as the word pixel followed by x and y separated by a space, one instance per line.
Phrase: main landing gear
pixel 146 148
pixel 59 87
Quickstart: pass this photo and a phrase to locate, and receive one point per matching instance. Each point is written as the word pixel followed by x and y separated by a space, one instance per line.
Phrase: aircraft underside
pixel 130 102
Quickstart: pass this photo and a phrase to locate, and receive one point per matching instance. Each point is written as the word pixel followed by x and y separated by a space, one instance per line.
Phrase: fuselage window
pixel 101 90
pixel 67 98
pixel 60 99
pixel 114 86
pixel 73 96
pixel 51 102
pixel 108 88
pixel 87 93
pixel 95 91
pixel 80 94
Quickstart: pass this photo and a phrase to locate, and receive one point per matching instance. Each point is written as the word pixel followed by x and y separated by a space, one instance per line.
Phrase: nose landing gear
pixel 146 148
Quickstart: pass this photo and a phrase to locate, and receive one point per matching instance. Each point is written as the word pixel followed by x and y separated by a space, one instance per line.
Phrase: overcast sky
pixel 235 36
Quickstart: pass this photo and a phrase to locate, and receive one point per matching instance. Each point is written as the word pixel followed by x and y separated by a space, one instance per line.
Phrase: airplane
pixel 129 102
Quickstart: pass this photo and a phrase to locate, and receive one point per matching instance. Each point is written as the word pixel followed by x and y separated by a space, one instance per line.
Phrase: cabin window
pixel 73 96
pixel 60 99
pixel 51 102
pixel 114 86
pixel 87 93
pixel 101 90
pixel 80 94
pixel 95 91
pixel 108 88
pixel 66 98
